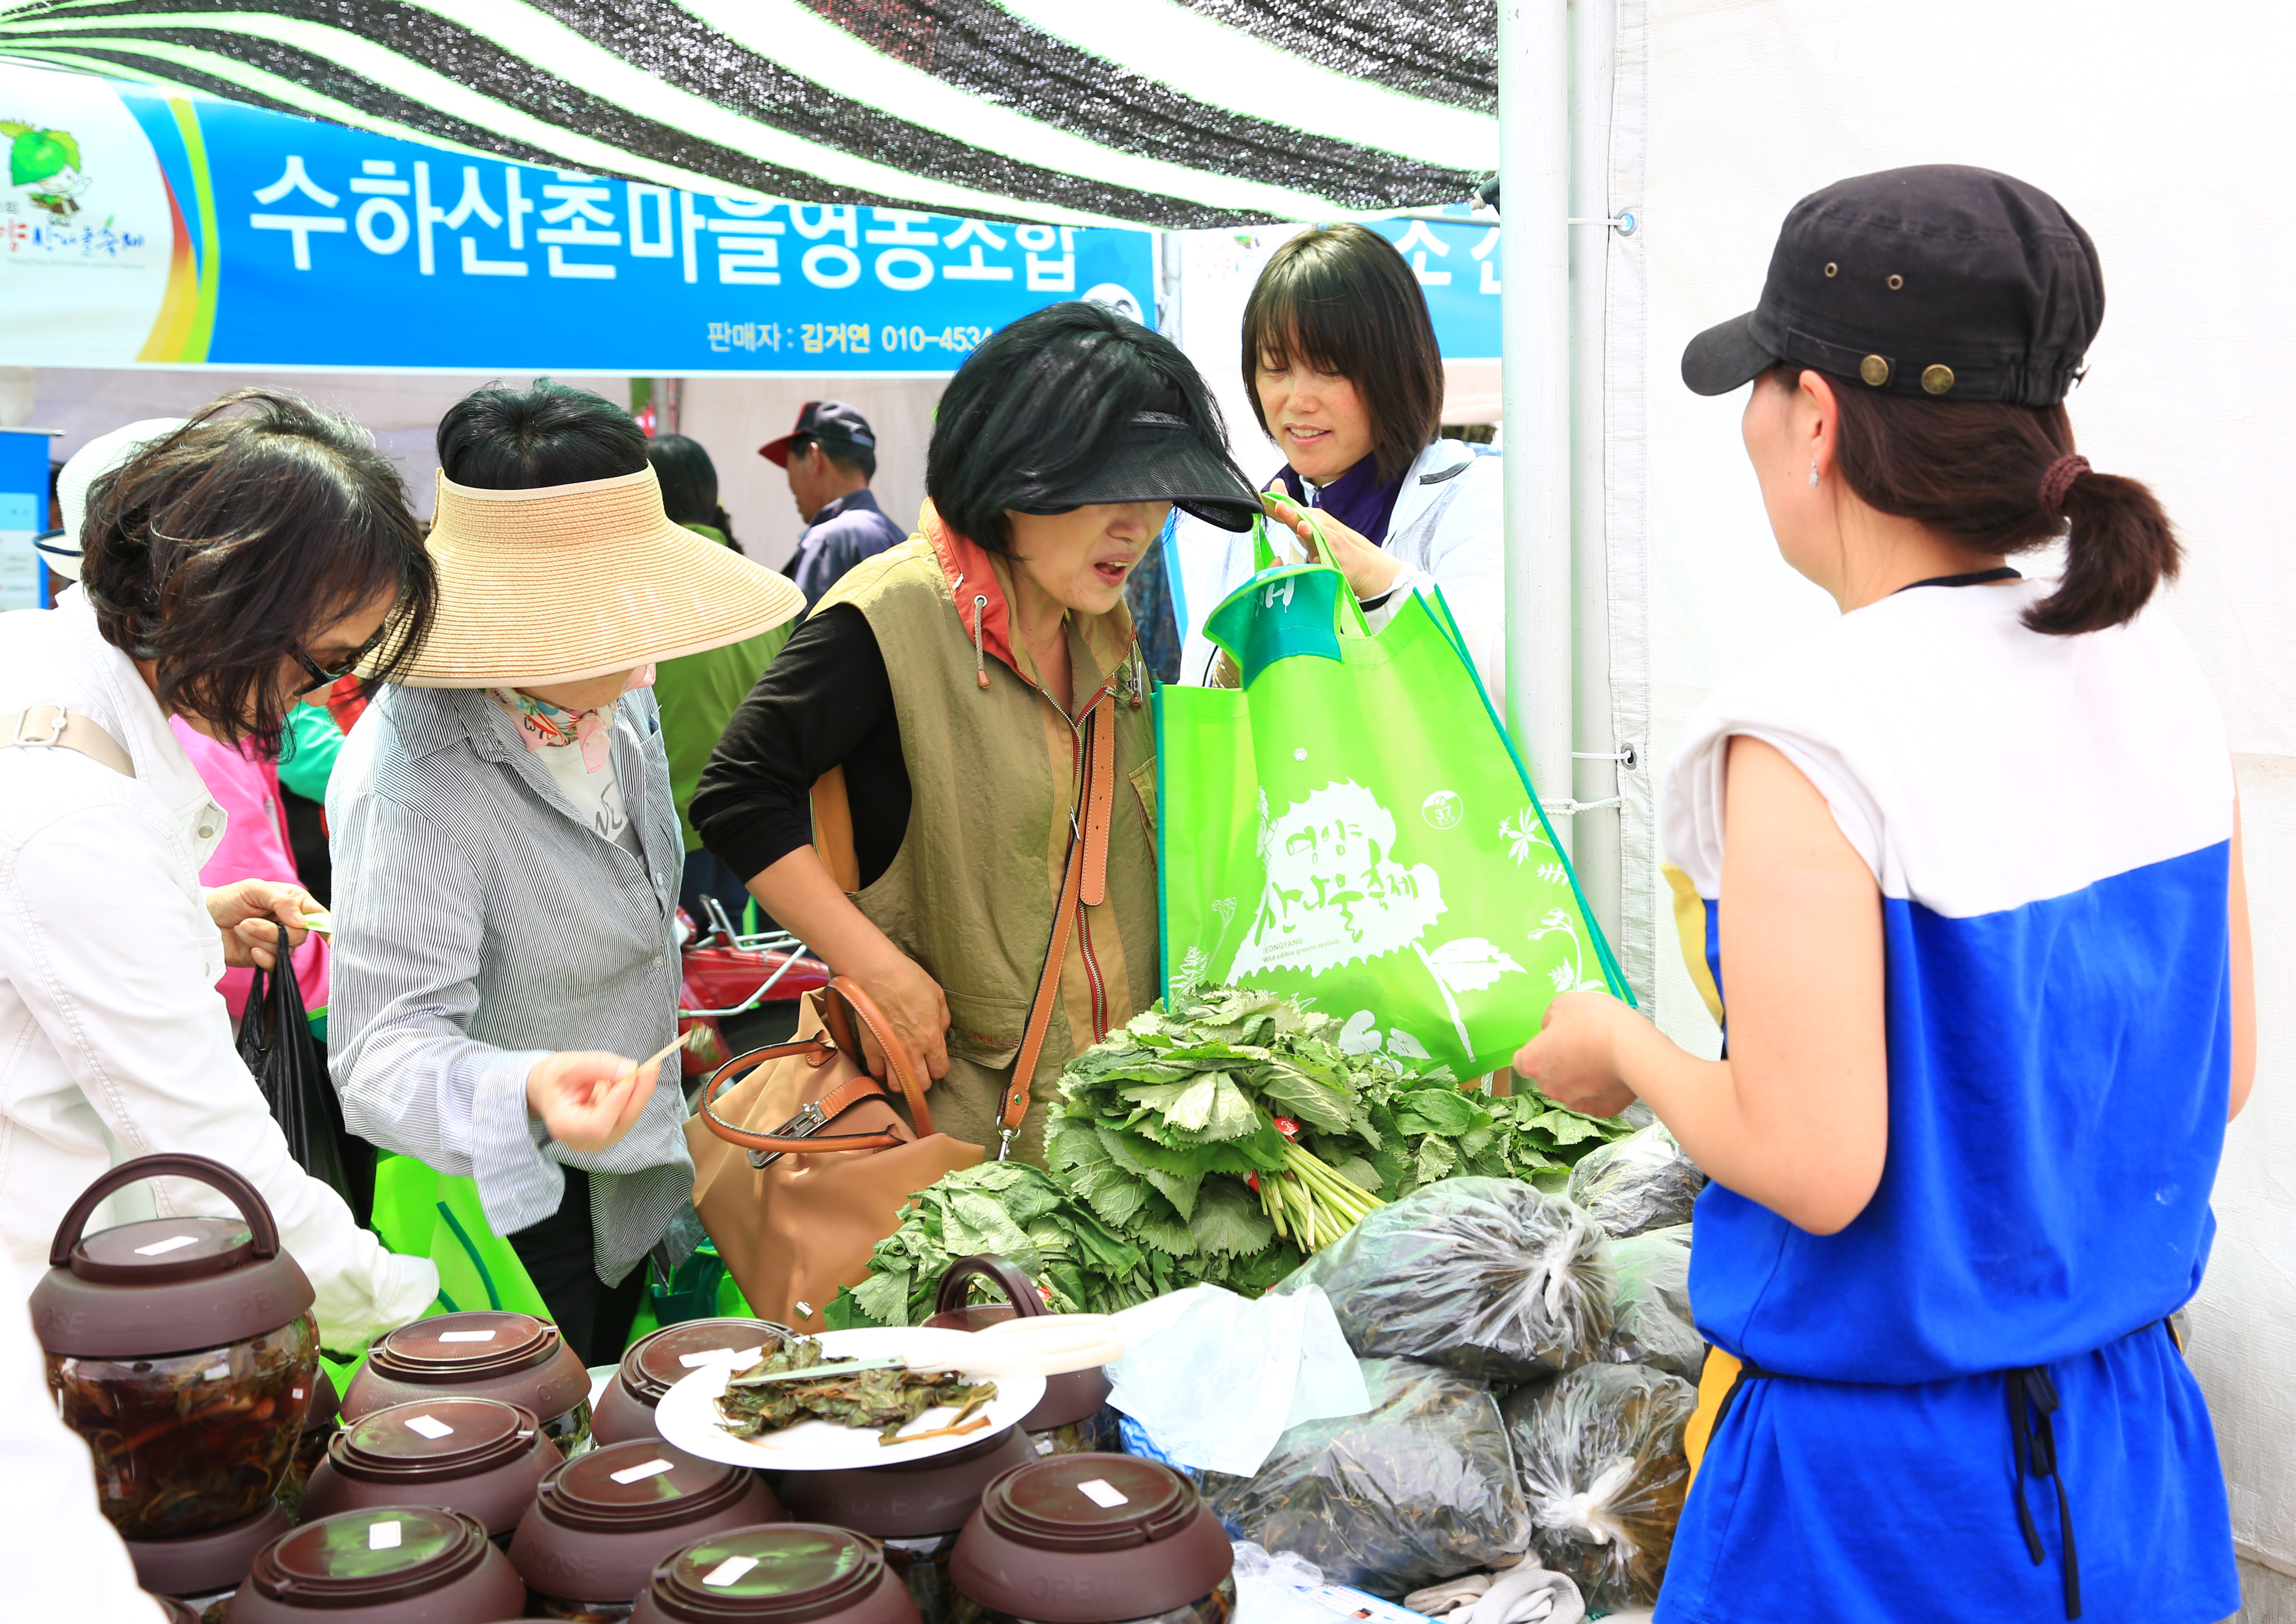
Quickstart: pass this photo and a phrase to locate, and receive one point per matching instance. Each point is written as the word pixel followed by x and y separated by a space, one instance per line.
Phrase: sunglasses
pixel 322 678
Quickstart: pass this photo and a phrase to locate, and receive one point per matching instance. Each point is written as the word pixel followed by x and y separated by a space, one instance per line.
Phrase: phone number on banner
pixel 841 338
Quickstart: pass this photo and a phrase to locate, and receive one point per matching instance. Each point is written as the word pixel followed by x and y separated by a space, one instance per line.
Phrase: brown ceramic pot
pixel 479 1456
pixel 601 1521
pixel 785 1573
pixel 399 1565
pixel 482 1353
pixel 1093 1540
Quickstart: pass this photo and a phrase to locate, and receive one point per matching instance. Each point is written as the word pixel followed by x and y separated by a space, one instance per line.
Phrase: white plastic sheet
pixel 1217 1378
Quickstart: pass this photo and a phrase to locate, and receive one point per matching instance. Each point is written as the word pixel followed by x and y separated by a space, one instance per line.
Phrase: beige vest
pixel 994 783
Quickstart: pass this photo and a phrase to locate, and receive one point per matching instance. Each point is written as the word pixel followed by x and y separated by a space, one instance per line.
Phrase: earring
pixel 1813 472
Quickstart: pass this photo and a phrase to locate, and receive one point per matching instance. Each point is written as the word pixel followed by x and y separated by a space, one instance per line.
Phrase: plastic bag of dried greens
pixel 1602 1468
pixel 1640 1182
pixel 1486 1277
pixel 1421 1488
pixel 1653 1324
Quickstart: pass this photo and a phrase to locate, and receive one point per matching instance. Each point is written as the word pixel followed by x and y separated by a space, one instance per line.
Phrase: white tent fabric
pixel 2167 136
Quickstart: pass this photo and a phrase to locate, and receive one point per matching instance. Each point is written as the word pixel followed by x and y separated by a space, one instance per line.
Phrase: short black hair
pixel 1042 404
pixel 1344 299
pixel 216 550
pixel 499 438
pixel 689 482
pixel 844 453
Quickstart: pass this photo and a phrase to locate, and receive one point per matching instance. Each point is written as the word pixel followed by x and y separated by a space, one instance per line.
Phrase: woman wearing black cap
pixel 954 700
pixel 1970 867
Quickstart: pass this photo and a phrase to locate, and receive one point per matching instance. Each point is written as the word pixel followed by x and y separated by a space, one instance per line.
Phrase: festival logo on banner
pixel 87 234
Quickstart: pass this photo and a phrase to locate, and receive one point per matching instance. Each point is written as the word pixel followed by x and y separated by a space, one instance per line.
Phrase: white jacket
pixel 62 1558
pixel 1447 529
pixel 114 1041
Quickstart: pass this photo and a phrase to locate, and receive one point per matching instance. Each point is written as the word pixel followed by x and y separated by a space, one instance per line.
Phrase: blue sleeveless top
pixel 2049 822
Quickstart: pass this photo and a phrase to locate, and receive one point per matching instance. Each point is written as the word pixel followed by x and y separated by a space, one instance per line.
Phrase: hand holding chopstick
pixel 588 1100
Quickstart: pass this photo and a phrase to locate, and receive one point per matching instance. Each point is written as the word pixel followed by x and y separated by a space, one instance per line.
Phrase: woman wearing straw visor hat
pixel 507 850
pixel 1970 867
pixel 973 695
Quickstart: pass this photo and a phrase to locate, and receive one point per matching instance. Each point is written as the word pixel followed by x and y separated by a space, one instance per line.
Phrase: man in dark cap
pixel 830 458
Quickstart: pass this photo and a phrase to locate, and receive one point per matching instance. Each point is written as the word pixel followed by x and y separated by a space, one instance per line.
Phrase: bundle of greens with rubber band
pixel 1240 1125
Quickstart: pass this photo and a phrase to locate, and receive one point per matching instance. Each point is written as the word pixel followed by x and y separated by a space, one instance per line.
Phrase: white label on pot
pixel 721 1356
pixel 430 1426
pixel 382 1536
pixel 727 1572
pixel 631 1474
pixel 174 1242
pixel 466 1336
pixel 217 1373
pixel 1045 1445
pixel 1100 1492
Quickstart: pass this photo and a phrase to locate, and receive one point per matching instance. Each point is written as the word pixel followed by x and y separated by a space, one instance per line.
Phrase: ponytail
pixel 2120 547
pixel 2001 478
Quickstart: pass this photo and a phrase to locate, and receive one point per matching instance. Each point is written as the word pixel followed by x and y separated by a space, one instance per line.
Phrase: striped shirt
pixel 480 924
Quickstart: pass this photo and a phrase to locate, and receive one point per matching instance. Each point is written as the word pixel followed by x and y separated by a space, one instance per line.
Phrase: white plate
pixel 687 1417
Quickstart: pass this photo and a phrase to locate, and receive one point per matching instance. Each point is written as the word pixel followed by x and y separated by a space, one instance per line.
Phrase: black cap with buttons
pixel 1939 281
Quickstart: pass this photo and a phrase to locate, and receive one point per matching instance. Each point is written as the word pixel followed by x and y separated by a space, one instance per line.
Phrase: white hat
pixel 567 582
pixel 60 548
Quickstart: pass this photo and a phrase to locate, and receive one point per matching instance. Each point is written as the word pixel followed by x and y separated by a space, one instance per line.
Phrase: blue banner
pixel 245 237
pixel 1458 270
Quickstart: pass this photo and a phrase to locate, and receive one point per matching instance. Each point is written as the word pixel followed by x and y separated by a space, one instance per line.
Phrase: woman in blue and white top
pixel 1341 367
pixel 1969 863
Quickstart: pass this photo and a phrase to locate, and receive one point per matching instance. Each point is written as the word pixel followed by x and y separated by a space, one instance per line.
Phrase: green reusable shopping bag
pixel 1352 827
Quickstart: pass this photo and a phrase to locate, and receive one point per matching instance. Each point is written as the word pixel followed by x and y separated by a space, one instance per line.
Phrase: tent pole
pixel 1596 834
pixel 1535 385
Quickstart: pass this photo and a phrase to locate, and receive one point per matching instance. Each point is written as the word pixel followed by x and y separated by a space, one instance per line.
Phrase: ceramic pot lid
pixel 166 1285
pixel 788 1572
pixel 658 1362
pixel 428 1441
pixel 363 1558
pixel 1089 1502
pixel 644 1483
pixel 465 1346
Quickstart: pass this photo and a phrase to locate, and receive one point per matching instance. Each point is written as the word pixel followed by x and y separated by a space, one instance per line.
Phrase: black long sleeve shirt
pixel 826 701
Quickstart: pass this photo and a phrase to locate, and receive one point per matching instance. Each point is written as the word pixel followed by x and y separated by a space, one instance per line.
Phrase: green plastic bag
pixel 1353 828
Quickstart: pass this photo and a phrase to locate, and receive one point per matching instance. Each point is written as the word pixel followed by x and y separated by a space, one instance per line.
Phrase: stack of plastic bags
pixel 1528 1368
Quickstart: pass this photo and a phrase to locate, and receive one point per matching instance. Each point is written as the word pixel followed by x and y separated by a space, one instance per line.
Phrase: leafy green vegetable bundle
pixel 1176 1129
pixel 1182 1141
pixel 1016 1211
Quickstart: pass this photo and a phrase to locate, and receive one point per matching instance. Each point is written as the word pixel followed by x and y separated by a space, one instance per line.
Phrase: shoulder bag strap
pixel 832 829
pixel 1084 883
pixel 63 729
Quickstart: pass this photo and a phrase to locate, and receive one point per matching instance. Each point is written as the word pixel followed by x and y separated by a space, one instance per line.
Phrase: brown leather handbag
pixel 796 1209
pixel 803 1166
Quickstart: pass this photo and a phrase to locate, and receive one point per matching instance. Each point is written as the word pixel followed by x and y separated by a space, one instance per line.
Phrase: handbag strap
pixel 841 1004
pixel 1084 884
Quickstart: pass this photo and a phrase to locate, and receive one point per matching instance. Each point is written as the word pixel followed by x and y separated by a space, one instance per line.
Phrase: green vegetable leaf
pixel 1192 1108
pixel 1228 1220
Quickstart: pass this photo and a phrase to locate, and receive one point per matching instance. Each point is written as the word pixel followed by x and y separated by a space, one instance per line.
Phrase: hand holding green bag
pixel 1352 827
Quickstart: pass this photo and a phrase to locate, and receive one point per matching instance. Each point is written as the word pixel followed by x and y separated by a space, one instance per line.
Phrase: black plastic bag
pixel 1640 1182
pixel 276 1041
pixel 1486 1277
pixel 1604 1473
pixel 1653 1324
pixel 1421 1487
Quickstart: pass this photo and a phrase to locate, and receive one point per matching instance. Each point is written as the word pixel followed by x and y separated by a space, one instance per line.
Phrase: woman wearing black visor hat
pixel 972 703
pixel 1968 870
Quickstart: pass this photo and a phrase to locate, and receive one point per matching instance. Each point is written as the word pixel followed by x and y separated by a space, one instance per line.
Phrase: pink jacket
pixel 254 847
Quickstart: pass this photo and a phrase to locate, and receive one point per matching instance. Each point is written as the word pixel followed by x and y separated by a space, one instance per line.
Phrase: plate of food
pixel 892 1405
